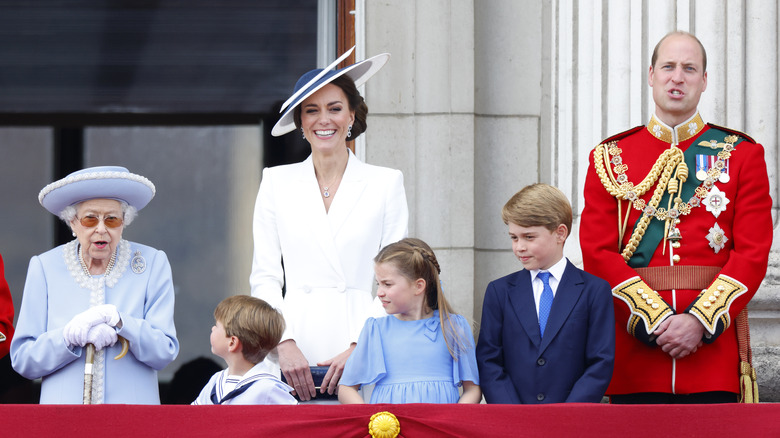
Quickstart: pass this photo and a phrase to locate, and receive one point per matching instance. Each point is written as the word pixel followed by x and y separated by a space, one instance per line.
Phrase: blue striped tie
pixel 545 302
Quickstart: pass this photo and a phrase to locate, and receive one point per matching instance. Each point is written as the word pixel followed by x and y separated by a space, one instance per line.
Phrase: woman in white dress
pixel 319 223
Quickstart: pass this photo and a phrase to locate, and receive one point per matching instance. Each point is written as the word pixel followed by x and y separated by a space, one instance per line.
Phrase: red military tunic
pixel 6 313
pixel 711 272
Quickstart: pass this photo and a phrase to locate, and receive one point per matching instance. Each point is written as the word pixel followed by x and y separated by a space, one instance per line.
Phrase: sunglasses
pixel 93 221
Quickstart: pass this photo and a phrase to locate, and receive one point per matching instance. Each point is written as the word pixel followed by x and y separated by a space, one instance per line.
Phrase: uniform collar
pixel 678 134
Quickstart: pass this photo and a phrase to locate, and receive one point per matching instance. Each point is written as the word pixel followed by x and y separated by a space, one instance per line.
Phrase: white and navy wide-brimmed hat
pixel 313 80
pixel 103 182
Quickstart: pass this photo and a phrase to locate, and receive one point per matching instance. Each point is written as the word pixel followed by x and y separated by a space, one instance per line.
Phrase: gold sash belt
pixel 679 277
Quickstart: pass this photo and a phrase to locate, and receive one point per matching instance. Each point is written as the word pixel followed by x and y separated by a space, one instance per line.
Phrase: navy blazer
pixel 573 363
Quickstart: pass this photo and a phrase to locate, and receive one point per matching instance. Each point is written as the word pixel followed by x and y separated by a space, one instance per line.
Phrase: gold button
pixel 706 304
pixel 675 245
pixel 649 301
pixel 721 287
pixel 716 293
pixel 676 258
pixel 644 296
pixel 640 290
pixel 712 298
pixel 655 305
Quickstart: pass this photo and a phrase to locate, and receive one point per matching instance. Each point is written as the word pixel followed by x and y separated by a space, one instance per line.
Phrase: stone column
pixel 508 103
pixel 422 122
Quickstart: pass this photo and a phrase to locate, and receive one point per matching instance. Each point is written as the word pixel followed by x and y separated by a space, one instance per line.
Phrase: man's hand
pixel 296 369
pixel 679 335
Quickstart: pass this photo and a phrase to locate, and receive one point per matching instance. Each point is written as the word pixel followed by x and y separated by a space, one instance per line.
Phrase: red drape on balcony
pixel 416 420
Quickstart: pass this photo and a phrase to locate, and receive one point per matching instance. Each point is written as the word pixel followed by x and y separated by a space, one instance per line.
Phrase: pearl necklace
pixel 77 268
pixel 84 267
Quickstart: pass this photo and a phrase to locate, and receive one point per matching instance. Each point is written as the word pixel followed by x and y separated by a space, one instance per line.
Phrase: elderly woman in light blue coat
pixel 97 289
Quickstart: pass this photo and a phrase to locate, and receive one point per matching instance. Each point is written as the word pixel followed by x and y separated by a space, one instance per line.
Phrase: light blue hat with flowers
pixel 102 182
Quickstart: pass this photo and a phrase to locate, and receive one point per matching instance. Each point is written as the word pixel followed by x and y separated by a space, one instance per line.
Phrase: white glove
pixel 75 332
pixel 101 336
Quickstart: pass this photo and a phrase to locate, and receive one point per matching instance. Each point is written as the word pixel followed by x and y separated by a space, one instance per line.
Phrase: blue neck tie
pixel 545 302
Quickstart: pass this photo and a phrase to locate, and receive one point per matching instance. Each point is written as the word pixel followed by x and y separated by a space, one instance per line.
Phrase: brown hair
pixel 356 104
pixel 538 205
pixel 654 57
pixel 414 259
pixel 254 322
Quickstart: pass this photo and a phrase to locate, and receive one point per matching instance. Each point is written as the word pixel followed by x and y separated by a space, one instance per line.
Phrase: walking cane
pixel 89 363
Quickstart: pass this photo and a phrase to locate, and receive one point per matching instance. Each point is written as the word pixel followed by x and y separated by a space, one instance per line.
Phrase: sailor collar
pixel 678 134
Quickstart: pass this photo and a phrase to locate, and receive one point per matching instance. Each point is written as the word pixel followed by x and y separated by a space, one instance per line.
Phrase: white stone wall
pixel 482 97
pixel 422 121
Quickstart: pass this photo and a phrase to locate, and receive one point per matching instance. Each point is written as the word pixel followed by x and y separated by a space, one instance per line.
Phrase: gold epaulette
pixel 712 304
pixel 732 131
pixel 644 303
pixel 623 134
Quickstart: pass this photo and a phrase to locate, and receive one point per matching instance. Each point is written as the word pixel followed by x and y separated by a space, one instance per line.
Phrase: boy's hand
pixel 331 380
pixel 296 370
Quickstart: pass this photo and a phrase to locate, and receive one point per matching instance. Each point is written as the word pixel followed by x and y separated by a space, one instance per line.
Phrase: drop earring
pixel 303 134
pixel 349 131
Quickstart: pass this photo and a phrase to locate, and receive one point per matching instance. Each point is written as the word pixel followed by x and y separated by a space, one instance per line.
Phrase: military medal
pixel 716 201
pixel 717 238
pixel 674 234
pixel 138 263
pixel 701 167
pixel 706 162
pixel 724 173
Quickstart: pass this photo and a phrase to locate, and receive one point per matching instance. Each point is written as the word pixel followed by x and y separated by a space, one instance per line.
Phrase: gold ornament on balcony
pixel 384 425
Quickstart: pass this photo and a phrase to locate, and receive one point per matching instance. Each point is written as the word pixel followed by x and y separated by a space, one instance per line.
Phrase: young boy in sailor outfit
pixel 245 330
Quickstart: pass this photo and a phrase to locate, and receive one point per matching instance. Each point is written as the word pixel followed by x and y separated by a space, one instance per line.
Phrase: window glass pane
pixel 161 57
pixel 25 227
pixel 201 216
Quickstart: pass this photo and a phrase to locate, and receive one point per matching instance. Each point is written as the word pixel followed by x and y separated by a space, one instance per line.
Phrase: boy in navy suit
pixel 548 331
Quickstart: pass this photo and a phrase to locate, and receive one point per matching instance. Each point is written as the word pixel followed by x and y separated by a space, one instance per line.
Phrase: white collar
pixel 555 270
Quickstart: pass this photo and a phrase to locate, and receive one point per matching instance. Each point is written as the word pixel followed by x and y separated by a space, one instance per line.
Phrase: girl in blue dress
pixel 421 352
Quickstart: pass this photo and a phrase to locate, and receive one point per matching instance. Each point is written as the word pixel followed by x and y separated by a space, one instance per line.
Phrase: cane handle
pixel 125 347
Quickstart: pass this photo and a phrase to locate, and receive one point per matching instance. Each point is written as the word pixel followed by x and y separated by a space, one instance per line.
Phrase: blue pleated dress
pixel 409 361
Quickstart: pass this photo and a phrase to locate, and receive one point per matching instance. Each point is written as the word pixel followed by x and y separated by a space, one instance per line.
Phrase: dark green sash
pixel 654 233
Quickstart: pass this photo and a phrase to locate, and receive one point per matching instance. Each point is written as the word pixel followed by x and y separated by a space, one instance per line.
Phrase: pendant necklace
pixel 326 188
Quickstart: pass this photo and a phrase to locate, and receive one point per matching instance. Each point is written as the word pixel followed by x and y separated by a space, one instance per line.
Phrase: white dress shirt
pixel 556 273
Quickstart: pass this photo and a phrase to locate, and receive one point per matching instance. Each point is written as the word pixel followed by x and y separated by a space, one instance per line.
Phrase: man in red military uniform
pixel 677 219
pixel 6 313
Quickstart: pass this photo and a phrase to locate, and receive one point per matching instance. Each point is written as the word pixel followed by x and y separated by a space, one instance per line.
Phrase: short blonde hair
pixel 538 205
pixel 254 322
